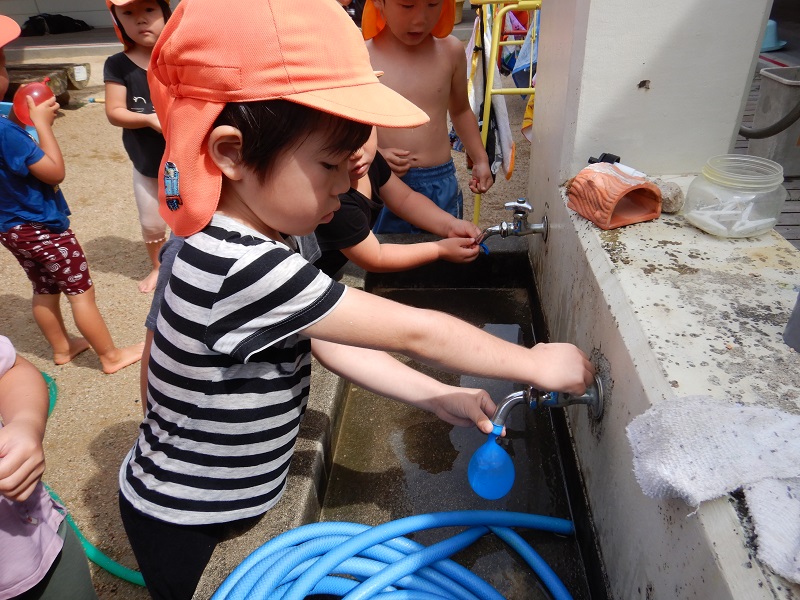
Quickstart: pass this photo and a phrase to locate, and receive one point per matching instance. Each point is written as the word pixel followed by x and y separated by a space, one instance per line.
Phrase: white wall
pixel 92 11
pixel 699 57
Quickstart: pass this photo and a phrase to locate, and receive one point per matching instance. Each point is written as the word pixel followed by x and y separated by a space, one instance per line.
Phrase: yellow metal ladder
pixel 493 12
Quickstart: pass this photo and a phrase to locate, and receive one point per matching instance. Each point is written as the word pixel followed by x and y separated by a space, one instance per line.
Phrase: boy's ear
pixel 225 149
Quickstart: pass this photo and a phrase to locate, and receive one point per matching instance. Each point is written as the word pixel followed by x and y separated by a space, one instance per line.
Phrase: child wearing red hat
pixel 34 227
pixel 260 119
pixel 410 41
pixel 138 23
pixel 40 555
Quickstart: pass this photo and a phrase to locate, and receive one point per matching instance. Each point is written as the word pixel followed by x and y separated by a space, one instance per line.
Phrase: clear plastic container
pixel 736 196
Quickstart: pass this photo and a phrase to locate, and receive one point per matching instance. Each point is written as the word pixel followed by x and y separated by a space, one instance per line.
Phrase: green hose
pixel 97 556
pixel 92 553
pixel 52 391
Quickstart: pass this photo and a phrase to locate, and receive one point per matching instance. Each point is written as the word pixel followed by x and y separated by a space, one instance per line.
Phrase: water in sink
pixel 392 461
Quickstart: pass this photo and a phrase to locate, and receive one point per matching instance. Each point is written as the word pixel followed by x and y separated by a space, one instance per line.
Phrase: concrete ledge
pixel 99 43
pixel 669 310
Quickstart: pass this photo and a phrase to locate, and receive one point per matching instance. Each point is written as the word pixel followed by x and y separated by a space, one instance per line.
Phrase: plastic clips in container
pixel 736 196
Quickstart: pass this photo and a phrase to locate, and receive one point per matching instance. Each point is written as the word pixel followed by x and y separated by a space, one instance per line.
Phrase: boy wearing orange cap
pixel 260 119
pixel 410 41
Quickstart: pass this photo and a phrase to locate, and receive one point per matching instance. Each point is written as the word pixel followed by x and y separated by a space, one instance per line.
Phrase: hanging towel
pixel 698 448
pixel 504 148
pixel 525 63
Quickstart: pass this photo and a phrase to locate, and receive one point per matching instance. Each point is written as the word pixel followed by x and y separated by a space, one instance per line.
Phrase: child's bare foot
pixel 76 346
pixel 148 284
pixel 121 358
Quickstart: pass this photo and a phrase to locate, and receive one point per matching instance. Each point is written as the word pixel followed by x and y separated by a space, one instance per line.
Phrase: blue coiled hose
pixel 361 562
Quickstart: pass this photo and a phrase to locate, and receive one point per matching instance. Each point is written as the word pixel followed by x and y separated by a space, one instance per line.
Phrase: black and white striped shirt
pixel 228 378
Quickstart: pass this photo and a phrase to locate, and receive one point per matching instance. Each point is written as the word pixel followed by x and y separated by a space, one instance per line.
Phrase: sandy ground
pixel 96 418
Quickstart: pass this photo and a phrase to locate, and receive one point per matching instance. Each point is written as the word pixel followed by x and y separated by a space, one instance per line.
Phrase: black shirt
pixel 351 224
pixel 145 146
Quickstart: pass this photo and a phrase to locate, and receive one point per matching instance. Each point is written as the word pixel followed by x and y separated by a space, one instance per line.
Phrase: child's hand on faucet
pixel 561 368
pixel 463 407
pixel 461 228
pixel 458 250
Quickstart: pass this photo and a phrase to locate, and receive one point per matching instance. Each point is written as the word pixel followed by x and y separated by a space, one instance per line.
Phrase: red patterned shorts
pixel 54 262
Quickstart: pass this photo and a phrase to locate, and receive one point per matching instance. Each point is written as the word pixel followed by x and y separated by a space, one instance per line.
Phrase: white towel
pixel 504 143
pixel 697 448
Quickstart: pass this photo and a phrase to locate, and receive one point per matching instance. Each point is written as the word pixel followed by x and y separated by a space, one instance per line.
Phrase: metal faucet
pixel 519 225
pixel 593 398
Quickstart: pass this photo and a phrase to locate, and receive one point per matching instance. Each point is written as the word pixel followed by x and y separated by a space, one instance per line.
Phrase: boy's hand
pixel 398 160
pixel 153 122
pixel 461 228
pixel 561 368
pixel 481 178
pixel 44 114
pixel 21 460
pixel 463 407
pixel 458 250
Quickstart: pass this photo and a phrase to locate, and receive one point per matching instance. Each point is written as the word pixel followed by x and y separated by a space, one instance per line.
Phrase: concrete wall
pixel 658 83
pixel 92 11
pixel 663 86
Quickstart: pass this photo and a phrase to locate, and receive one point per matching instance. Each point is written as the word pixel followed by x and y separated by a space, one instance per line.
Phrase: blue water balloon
pixel 491 470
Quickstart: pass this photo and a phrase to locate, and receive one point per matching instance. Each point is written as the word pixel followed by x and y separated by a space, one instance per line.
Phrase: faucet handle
pixel 519 205
pixel 593 398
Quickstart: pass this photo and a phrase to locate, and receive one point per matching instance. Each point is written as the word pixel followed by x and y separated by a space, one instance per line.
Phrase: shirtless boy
pixel 410 41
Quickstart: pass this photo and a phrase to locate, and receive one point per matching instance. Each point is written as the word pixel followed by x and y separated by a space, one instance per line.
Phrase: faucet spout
pixel 519 225
pixel 593 398
pixel 504 407
pixel 501 230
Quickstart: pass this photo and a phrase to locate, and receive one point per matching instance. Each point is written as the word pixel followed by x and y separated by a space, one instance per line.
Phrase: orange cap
pixel 212 52
pixel 372 21
pixel 9 30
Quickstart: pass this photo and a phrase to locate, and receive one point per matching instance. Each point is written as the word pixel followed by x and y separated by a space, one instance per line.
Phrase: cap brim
pixel 199 180
pixel 372 104
pixel 9 30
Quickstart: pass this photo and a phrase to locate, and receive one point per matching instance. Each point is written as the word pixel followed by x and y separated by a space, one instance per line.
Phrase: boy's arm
pixel 23 408
pixel 423 212
pixel 50 168
pixel 381 374
pixel 143 368
pixel 374 257
pixel 465 123
pixel 118 113
pixel 368 321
